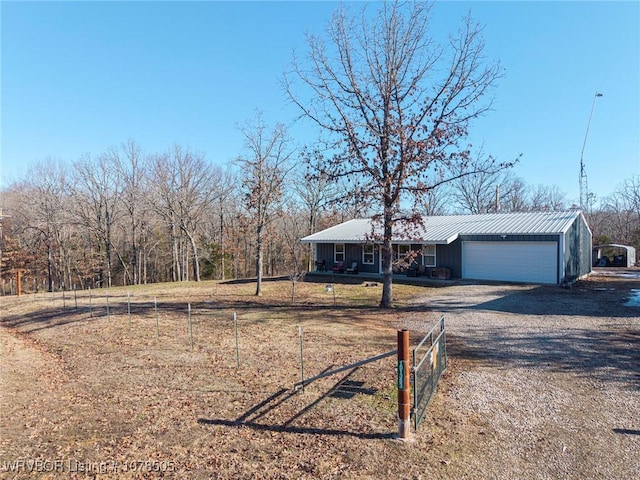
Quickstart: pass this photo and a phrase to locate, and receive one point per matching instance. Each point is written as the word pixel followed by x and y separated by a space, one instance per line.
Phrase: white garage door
pixel 532 262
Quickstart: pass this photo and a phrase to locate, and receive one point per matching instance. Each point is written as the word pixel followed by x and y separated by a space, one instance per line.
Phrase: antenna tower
pixel 584 189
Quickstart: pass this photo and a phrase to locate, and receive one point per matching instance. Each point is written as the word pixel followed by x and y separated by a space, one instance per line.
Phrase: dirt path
pixel 26 374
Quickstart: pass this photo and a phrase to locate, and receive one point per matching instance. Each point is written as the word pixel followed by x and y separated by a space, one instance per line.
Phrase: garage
pixel 530 262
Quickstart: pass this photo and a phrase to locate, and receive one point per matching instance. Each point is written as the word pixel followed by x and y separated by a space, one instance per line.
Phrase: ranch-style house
pixel 529 247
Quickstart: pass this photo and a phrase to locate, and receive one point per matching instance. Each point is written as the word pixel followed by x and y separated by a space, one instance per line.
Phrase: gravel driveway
pixel 552 375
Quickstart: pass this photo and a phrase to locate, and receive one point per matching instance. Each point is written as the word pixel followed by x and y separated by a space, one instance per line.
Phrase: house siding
pixel 577 255
pixel 447 256
pixel 450 256
pixel 352 253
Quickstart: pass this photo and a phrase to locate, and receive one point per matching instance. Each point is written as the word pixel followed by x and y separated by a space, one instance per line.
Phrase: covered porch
pixel 360 277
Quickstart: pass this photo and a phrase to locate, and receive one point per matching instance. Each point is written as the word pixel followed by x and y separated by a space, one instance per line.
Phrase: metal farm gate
pixel 429 362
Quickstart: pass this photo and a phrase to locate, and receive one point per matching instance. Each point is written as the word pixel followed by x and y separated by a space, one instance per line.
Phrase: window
pixel 338 252
pixel 403 252
pixel 429 255
pixel 367 254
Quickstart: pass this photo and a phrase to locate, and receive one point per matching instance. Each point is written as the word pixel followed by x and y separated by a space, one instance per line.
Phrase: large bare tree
pixel 130 164
pixel 397 105
pixel 263 172
pixel 42 214
pixel 486 190
pixel 96 189
pixel 619 215
pixel 315 190
pixel 185 185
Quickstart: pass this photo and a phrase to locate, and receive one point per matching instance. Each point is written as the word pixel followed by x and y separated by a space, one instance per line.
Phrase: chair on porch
pixel 338 267
pixel 353 268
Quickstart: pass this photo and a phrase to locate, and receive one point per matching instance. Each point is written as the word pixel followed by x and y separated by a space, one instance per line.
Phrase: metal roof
pixel 445 229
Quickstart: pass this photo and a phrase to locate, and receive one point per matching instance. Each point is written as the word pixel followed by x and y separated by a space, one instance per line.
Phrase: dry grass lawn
pixel 88 395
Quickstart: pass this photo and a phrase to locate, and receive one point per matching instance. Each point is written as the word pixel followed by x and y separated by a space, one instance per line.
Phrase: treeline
pixel 128 217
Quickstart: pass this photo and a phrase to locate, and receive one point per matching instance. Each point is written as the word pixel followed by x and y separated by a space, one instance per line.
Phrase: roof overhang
pixel 444 230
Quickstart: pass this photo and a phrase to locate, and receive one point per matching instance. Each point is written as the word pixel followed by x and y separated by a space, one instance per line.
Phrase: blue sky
pixel 80 77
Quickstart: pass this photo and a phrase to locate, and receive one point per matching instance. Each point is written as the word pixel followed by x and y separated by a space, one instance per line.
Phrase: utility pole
pixel 584 189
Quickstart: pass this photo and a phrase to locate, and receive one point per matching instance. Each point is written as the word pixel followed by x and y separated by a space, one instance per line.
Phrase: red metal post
pixel 404 387
pixel 18 282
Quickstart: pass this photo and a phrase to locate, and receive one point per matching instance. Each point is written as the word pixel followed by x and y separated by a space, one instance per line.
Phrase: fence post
pixel 404 387
pixel 235 328
pixel 190 327
pixel 18 283
pixel 301 357
pixel 155 310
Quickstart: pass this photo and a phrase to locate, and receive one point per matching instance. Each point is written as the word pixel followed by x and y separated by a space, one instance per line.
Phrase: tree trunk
pixel 387 261
pixel 196 264
pixel 108 247
pixel 222 273
pixel 49 268
pixel 175 271
pixel 259 260
pixel 134 260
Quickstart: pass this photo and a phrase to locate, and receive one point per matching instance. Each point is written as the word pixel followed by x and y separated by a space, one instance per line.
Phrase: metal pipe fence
pixel 429 360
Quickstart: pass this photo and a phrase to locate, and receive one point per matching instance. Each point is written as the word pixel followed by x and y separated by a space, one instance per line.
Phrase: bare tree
pixel 514 194
pixel 398 106
pixel 41 219
pixel 436 201
pixel 316 191
pixel 630 192
pixel 482 191
pixel 294 227
pixel 547 198
pixel 619 215
pixel 220 220
pixel 130 164
pixel 184 187
pixel 263 172
pixel 96 190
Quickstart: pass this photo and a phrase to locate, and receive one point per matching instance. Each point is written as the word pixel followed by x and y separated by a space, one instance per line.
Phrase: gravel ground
pixel 554 374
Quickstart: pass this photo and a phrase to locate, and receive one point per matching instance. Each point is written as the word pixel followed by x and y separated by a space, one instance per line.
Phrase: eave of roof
pixel 446 229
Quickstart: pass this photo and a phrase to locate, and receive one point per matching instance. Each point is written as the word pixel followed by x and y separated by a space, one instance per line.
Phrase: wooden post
pixel 404 385
pixel 18 283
